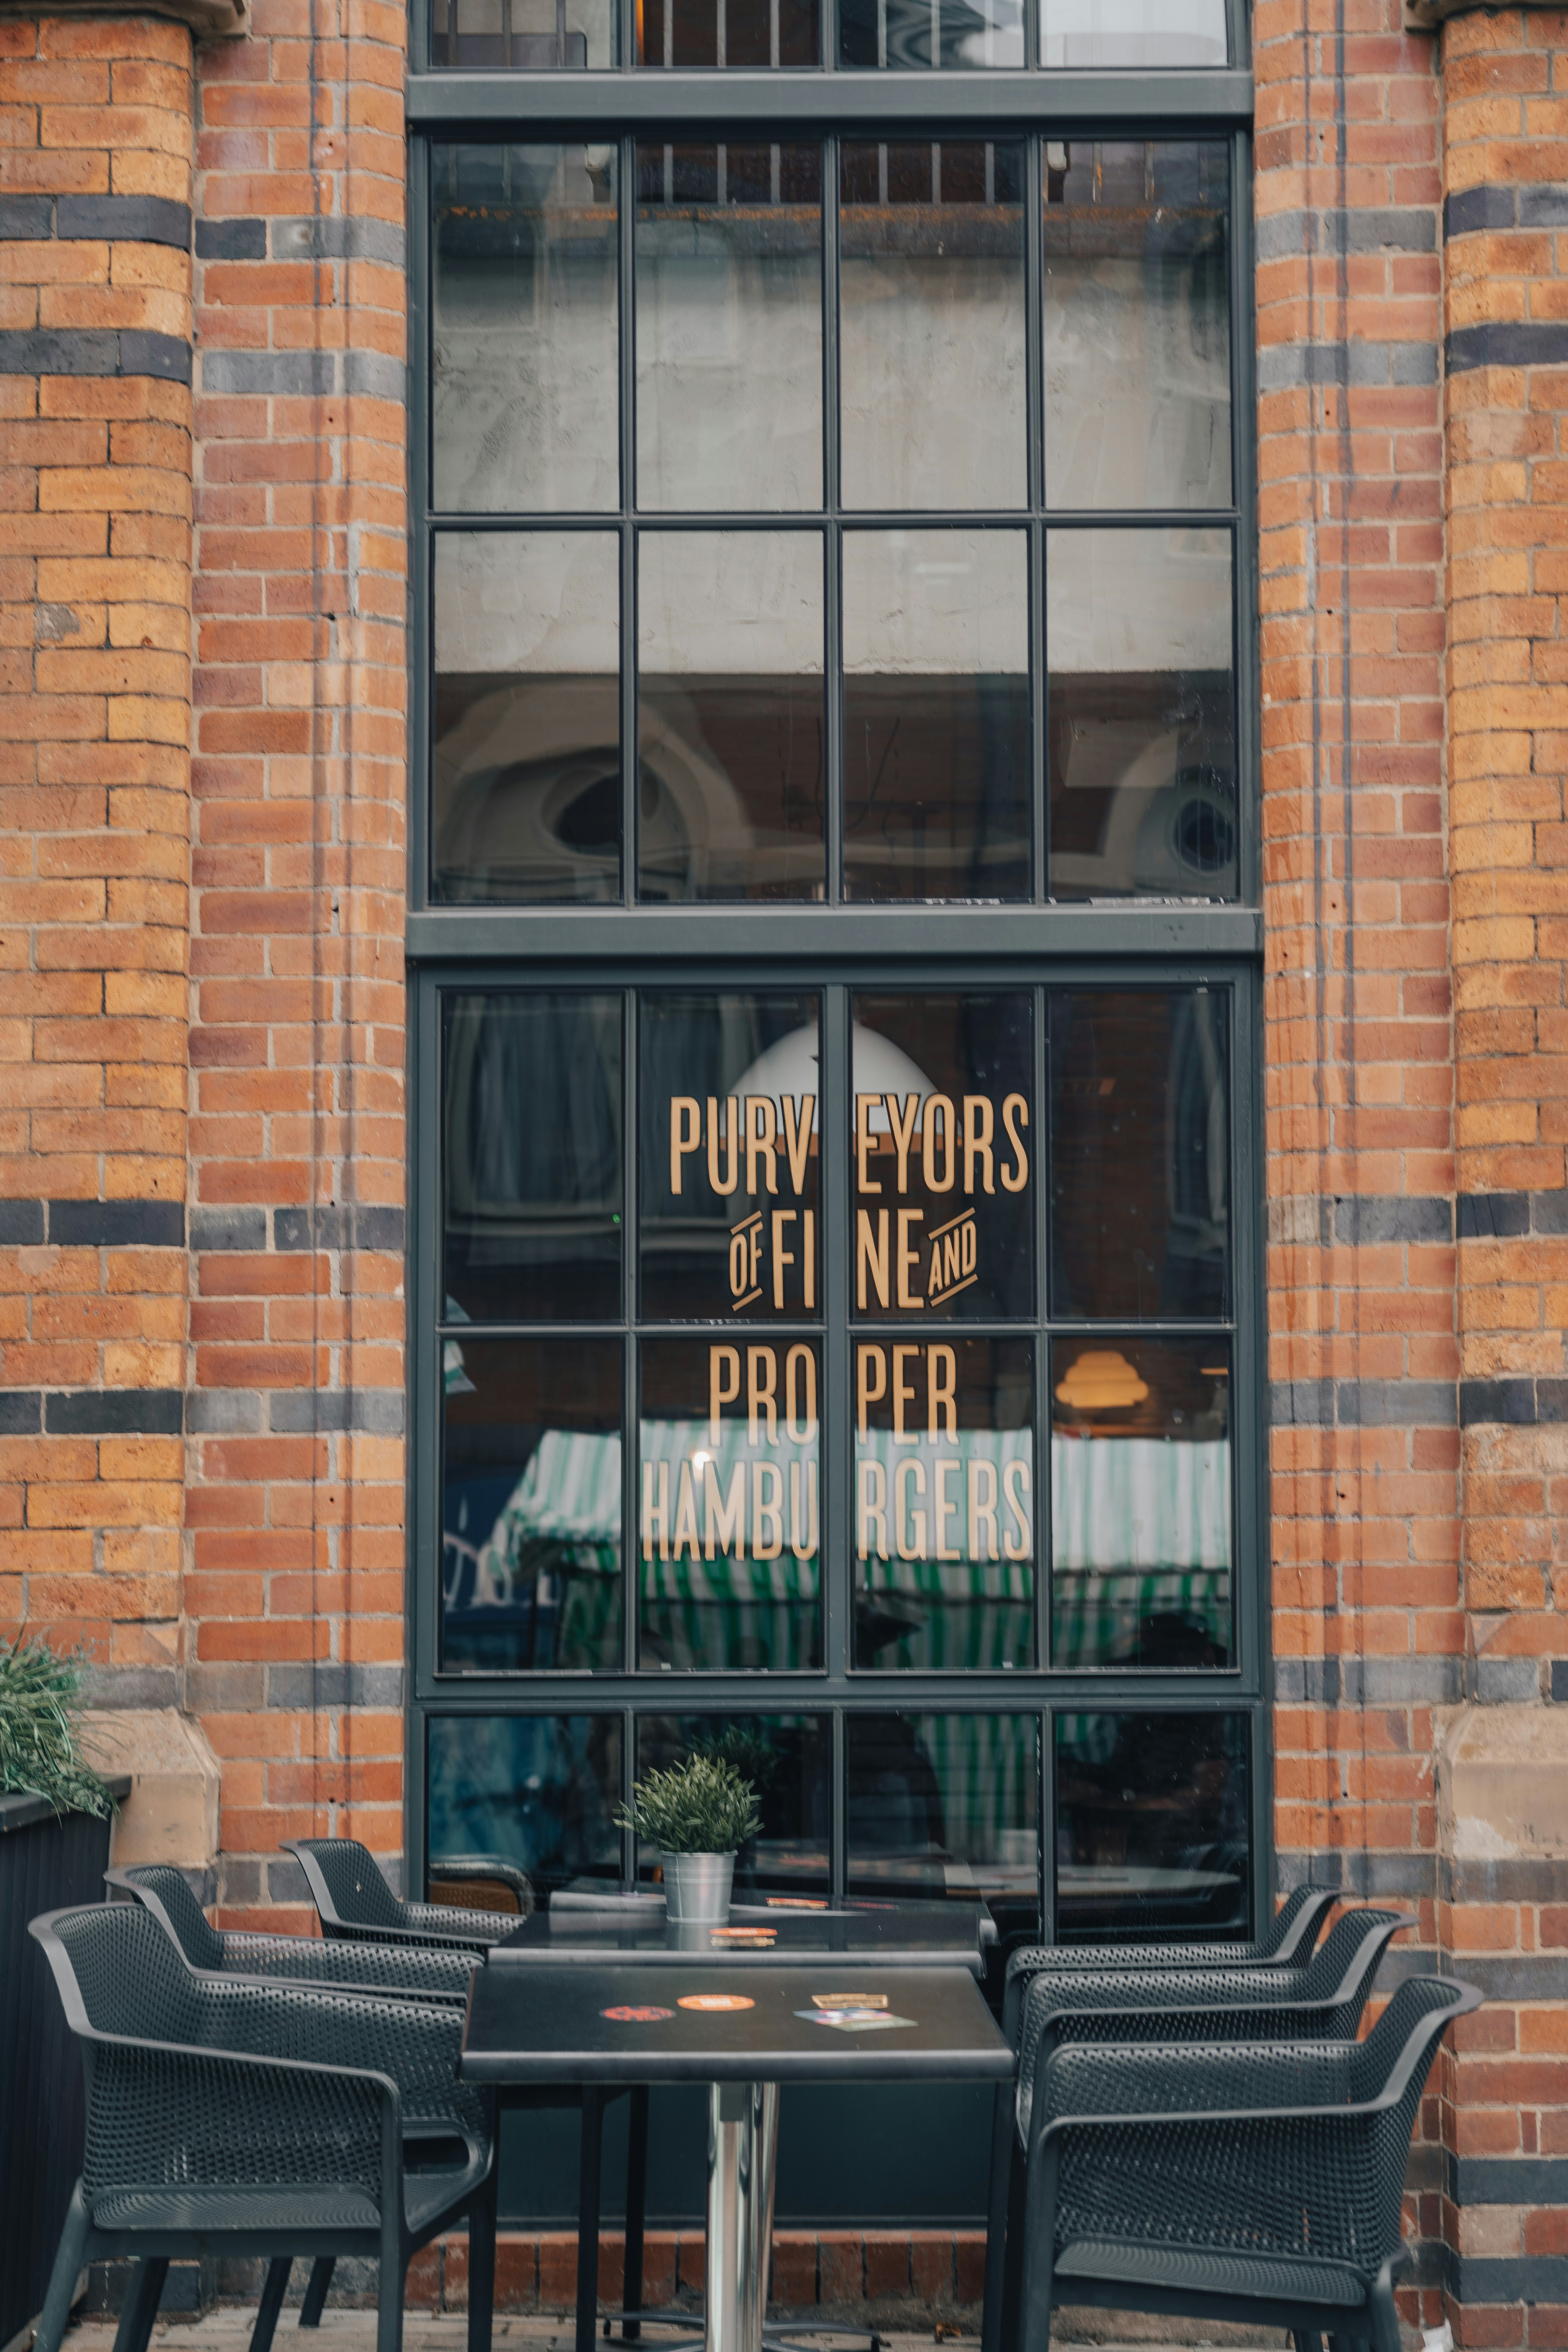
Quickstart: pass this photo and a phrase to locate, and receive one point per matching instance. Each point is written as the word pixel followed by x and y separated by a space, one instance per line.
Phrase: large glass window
pixel 834 1213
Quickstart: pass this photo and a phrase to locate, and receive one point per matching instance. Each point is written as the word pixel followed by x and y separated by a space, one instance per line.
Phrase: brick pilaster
pixel 95 608
pixel 1365 1626
pixel 295 1595
pixel 1505 92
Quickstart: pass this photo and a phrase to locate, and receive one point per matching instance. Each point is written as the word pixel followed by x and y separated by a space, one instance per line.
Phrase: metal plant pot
pixel 696 1888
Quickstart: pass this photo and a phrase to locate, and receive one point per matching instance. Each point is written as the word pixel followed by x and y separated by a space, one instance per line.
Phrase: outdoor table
pixel 743 2029
pixel 883 1935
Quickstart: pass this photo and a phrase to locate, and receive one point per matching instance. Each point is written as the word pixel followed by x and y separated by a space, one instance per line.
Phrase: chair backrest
pixel 120 1971
pixel 1342 1969
pixel 1292 1933
pixel 161 1890
pixel 346 1885
pixel 1392 2064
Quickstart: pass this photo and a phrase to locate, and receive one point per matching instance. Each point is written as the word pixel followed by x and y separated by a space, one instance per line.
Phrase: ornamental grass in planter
pixel 40 1698
pixel 699 1814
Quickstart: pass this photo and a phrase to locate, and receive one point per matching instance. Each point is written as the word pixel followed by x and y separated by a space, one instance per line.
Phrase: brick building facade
pixel 204 1127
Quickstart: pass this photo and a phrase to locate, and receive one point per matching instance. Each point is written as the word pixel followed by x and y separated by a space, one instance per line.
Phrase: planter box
pixel 44 1863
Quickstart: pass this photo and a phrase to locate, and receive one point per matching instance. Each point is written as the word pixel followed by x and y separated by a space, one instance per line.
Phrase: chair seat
pixel 241 2205
pixel 1200 2270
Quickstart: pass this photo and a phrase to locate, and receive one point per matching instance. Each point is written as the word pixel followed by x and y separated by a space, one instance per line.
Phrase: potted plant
pixel 54 1849
pixel 698 1814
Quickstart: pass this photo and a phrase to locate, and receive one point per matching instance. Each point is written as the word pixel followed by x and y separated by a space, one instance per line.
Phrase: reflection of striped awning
pixel 1139 1504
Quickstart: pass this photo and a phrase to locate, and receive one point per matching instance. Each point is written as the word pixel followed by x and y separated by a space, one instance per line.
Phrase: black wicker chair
pixel 392 1971
pixel 229 2115
pixel 395 1971
pixel 1321 2001
pixel 1287 1942
pixel 1259 2183
pixel 355 1904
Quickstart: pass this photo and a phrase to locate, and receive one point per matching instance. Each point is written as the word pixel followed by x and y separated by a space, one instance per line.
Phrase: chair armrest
pixel 159 2112
pixel 1081 2082
pixel 417 2045
pixel 395 1971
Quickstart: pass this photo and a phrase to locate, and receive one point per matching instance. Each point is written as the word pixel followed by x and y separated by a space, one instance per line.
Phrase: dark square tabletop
pixel 629 2023
pixel 892 1934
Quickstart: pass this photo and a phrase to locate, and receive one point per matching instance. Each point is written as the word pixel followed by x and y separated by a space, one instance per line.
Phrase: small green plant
pixel 40 1697
pixel 702 1806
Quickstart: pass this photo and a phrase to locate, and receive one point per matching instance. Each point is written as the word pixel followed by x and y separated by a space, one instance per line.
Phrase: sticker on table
pixel 636 2016
pixel 716 2000
pixel 854 2020
pixel 849 2000
pixel 768 1937
pixel 796 1902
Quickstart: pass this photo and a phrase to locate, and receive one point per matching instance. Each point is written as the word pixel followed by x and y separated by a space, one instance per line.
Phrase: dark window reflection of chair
pixel 1170 1798
pixel 897 1832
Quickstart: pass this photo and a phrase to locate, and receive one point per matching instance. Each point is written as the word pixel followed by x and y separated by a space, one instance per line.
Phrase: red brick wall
pixel 294 1591
pixel 95 627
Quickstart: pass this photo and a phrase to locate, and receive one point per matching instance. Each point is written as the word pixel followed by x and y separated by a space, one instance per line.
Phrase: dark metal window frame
pixel 1127 944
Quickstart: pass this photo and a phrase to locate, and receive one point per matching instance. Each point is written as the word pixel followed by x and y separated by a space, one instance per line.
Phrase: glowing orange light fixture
pixel 1101 1380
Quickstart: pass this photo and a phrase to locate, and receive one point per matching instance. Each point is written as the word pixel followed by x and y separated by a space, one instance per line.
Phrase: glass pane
pixel 930 312
pixel 537 1790
pixel 728 1158
pixel 730 1504
pixel 788 1760
pixel 530 1537
pixel 736 33
pixel 730 715
pixel 944 1504
pixel 1139 1153
pixel 1140 1502
pixel 526 768
pixel 1141 736
pixel 951 33
pixel 1133 33
pixel 1151 1826
pixel 943 1804
pixel 533 1158
pixel 936 714
pixel 728 327
pixel 523 400
pixel 526 36
pixel 1136 325
pixel 942 1175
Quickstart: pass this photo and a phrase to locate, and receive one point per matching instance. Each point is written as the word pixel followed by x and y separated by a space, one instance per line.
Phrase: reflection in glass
pixel 523 401
pixel 944 1504
pixel 943 1804
pixel 943 1148
pixel 526 767
pixel 523 36
pixel 1136 325
pixel 730 1504
pixel 932 369
pixel 1133 33
pixel 728 327
pixel 1151 1826
pixel 936 714
pixel 533 1176
pixel 948 33
pixel 1139 1153
pixel 1140 1502
pixel 758 34
pixel 788 1760
pixel 530 1531
pixel 730 715
pixel 1141 742
pixel 728 1165
pixel 537 1790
